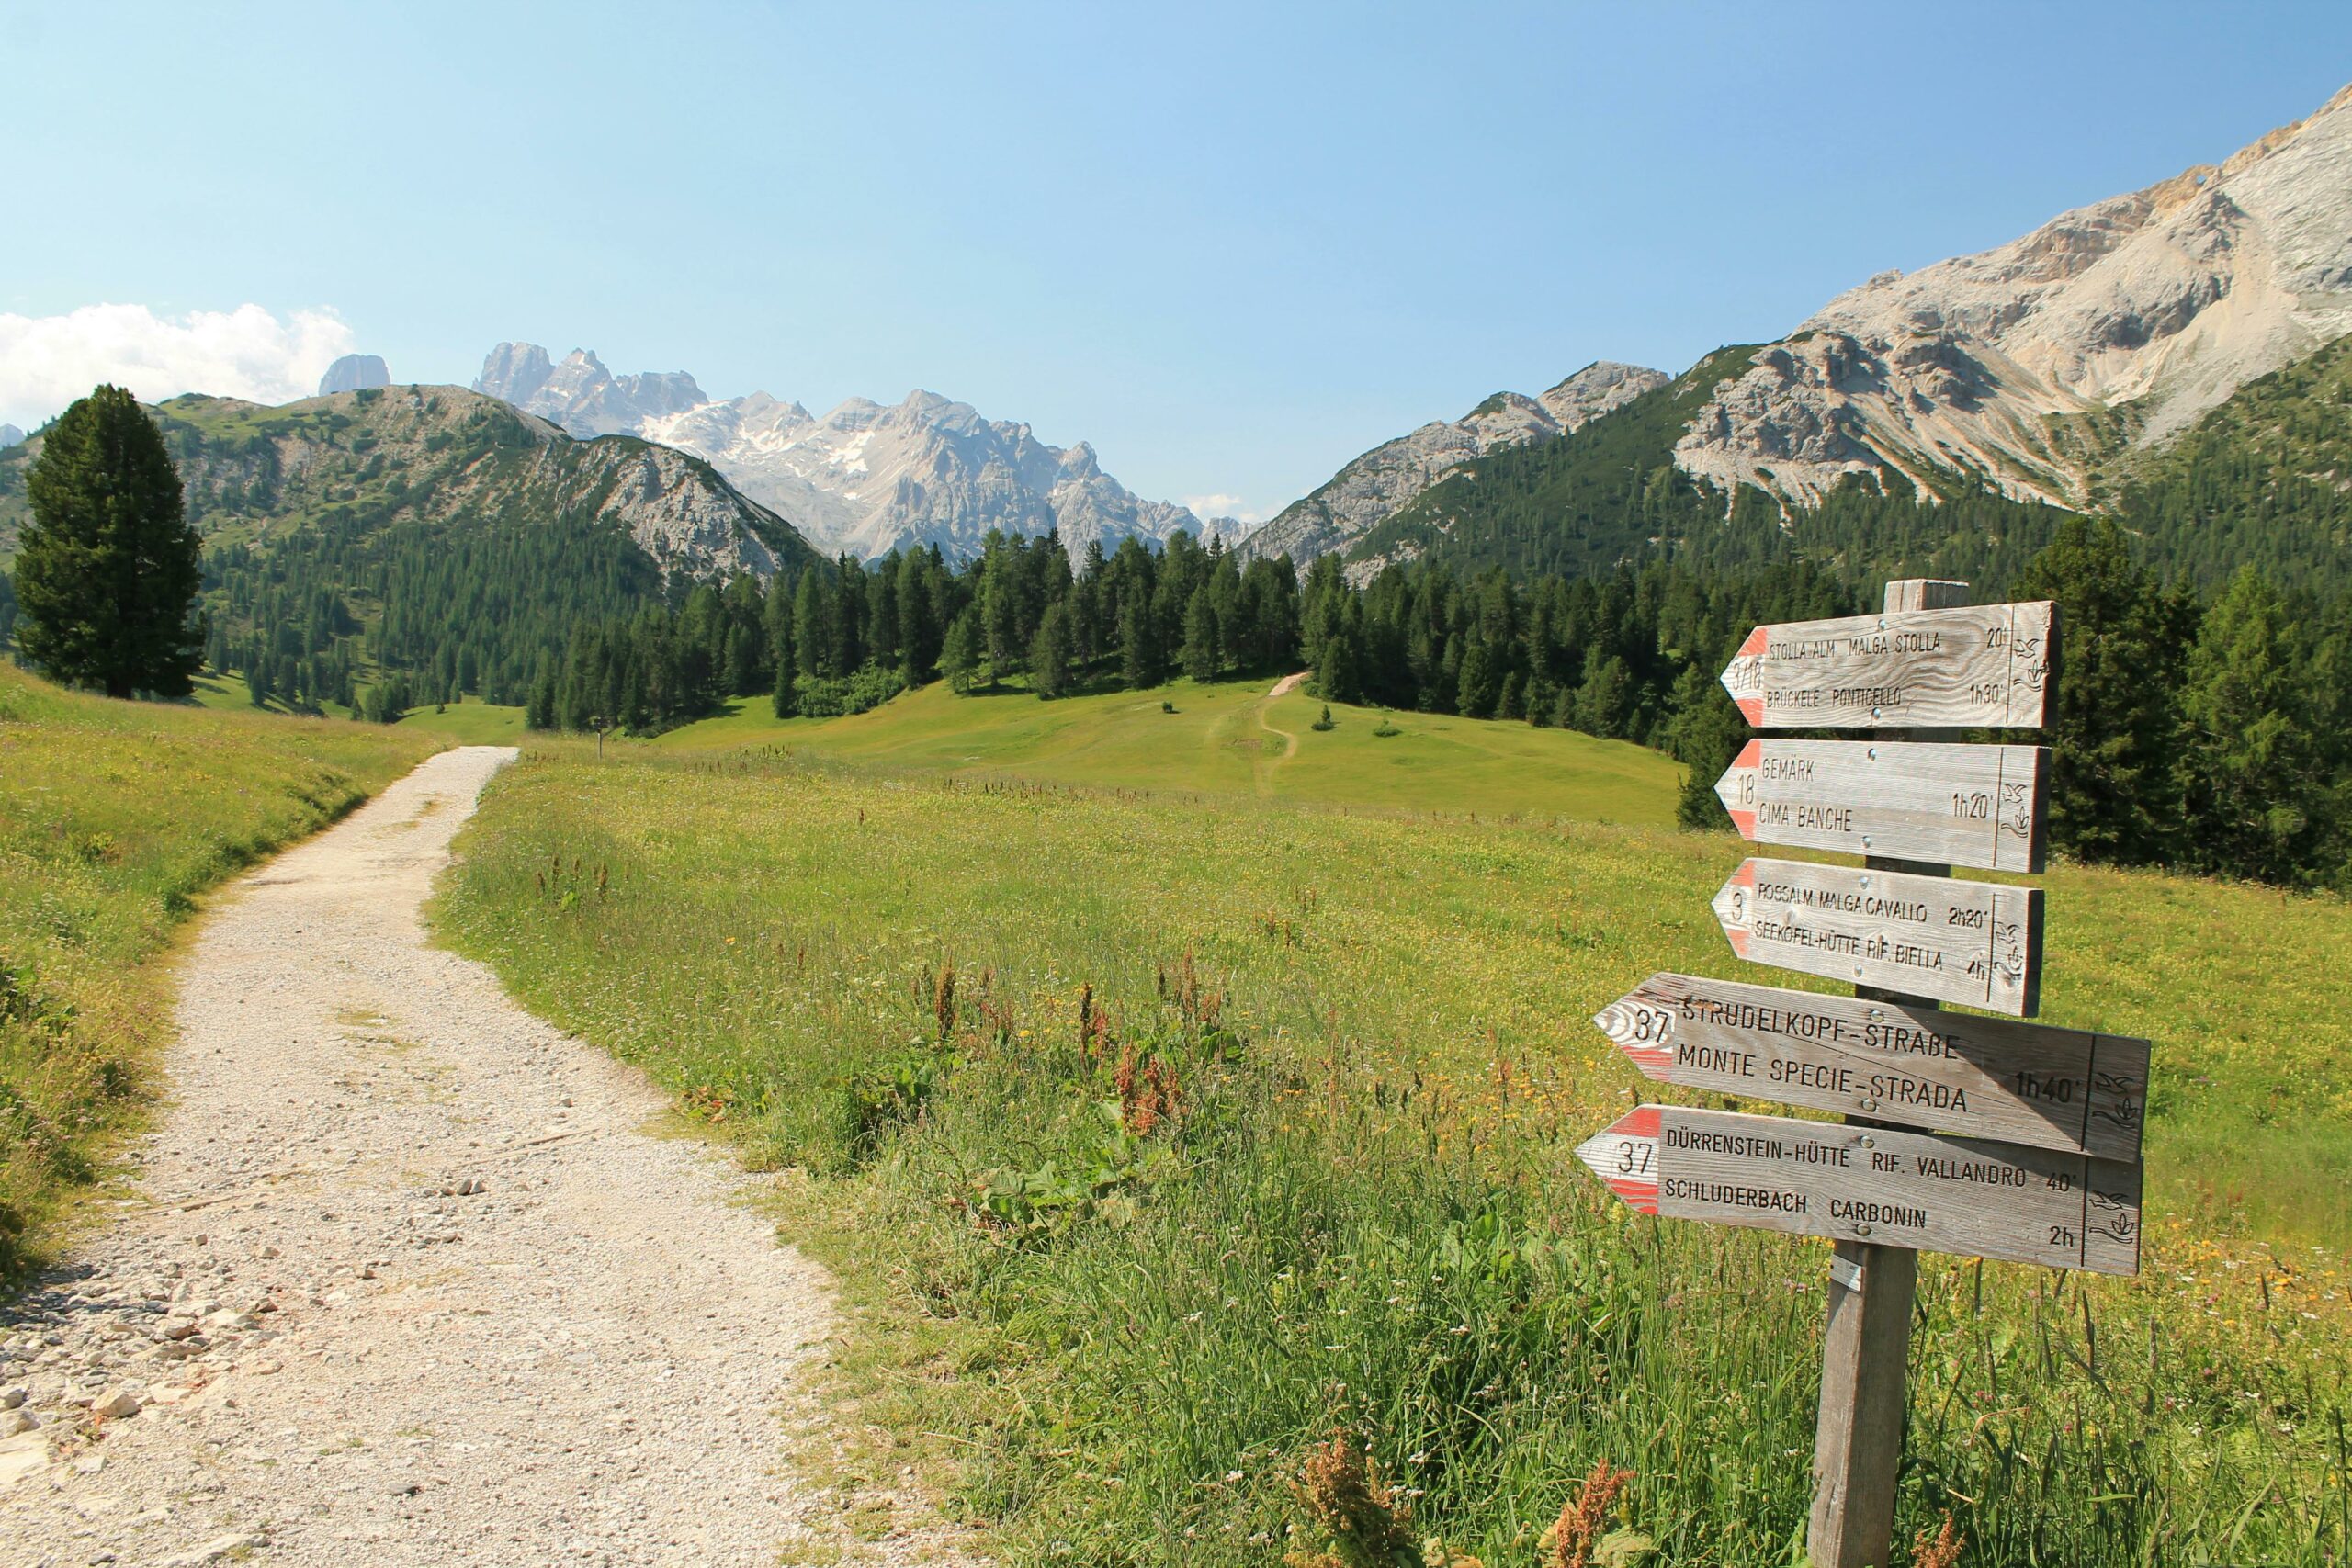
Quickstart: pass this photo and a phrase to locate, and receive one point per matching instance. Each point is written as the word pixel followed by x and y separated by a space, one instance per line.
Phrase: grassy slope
pixel 1377 1222
pixel 467 724
pixel 1231 738
pixel 113 817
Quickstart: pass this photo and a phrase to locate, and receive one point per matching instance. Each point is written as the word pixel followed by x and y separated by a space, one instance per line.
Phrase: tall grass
pixel 114 817
pixel 1363 1216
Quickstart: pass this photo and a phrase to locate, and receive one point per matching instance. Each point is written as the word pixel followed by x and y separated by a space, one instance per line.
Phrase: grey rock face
pixel 354 373
pixel 1376 486
pixel 580 394
pixel 865 478
pixel 10 436
pixel 2166 299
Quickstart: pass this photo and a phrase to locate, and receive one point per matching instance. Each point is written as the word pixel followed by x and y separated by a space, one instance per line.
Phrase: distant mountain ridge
pixel 354 373
pixel 2028 367
pixel 1375 487
pixel 864 478
pixel 2044 373
pixel 441 456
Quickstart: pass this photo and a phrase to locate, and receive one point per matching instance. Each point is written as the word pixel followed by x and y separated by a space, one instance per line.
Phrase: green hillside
pixel 2265 479
pixel 1609 494
pixel 425 530
pixel 2262 480
pixel 1228 739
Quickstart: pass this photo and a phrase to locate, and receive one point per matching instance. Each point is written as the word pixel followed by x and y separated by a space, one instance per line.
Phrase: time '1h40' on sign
pixel 1958 1073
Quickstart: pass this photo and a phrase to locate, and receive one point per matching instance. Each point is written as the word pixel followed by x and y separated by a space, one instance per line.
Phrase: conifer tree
pixel 2256 798
pixel 811 636
pixel 106 572
pixel 1049 652
pixel 1202 658
pixel 1143 662
pixel 959 660
pixel 2115 794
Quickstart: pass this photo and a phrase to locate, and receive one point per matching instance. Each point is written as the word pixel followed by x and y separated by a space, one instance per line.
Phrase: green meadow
pixel 465 724
pixel 115 817
pixel 1229 739
pixel 1160 1132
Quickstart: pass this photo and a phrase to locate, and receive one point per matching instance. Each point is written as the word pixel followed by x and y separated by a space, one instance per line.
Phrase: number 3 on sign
pixel 1634 1157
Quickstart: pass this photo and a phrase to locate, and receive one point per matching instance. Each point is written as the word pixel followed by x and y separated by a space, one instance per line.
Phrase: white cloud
pixel 1207 506
pixel 46 362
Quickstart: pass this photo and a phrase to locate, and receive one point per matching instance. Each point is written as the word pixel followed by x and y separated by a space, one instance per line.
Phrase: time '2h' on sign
pixel 1964 1133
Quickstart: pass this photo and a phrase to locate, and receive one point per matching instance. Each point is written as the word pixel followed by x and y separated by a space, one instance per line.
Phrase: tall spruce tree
pixel 106 573
pixel 1049 652
pixel 2115 793
pixel 2258 800
pixel 960 659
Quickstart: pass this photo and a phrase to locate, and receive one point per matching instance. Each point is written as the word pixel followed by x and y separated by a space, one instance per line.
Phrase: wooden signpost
pixel 1979 806
pixel 1975 943
pixel 1980 1077
pixel 1862 1183
pixel 1986 666
pixel 2033 1142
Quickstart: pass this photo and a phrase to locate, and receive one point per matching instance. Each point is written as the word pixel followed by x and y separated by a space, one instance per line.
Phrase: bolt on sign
pixel 1978 943
pixel 1971 1135
pixel 1984 666
pixel 1980 805
pixel 1855 1183
pixel 1953 1072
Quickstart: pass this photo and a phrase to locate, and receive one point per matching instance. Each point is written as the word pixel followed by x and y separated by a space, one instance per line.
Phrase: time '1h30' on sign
pixel 1983 665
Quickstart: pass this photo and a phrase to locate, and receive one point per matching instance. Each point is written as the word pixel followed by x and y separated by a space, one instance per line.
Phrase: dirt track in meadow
pixel 407 1280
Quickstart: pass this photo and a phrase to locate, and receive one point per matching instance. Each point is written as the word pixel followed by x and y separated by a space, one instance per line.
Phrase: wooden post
pixel 1858 1443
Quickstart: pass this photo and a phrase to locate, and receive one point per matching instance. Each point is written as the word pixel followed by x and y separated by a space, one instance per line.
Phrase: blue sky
pixel 1232 246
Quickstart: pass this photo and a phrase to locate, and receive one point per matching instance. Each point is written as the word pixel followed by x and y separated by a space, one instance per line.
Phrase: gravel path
pixel 407 1283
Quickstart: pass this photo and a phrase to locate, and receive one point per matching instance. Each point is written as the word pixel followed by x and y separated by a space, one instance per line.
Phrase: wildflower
pixel 1342 1492
pixel 1942 1551
pixel 1569 1542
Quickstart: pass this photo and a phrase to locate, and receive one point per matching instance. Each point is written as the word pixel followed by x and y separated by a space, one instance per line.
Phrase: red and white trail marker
pixel 1870 1184
pixel 1977 943
pixel 1977 666
pixel 1978 806
pixel 1919 1067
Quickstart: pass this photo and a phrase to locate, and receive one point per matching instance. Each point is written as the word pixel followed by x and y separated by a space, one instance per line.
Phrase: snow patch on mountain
pixel 864 478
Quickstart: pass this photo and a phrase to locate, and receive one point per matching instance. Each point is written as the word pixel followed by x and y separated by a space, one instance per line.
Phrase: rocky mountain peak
pixel 354 373
pixel 861 478
pixel 1375 487
pixel 2162 302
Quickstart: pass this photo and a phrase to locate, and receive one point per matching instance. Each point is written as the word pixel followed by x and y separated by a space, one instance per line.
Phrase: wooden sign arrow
pixel 1978 665
pixel 1978 943
pixel 1870 1184
pixel 1980 805
pixel 1984 1078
